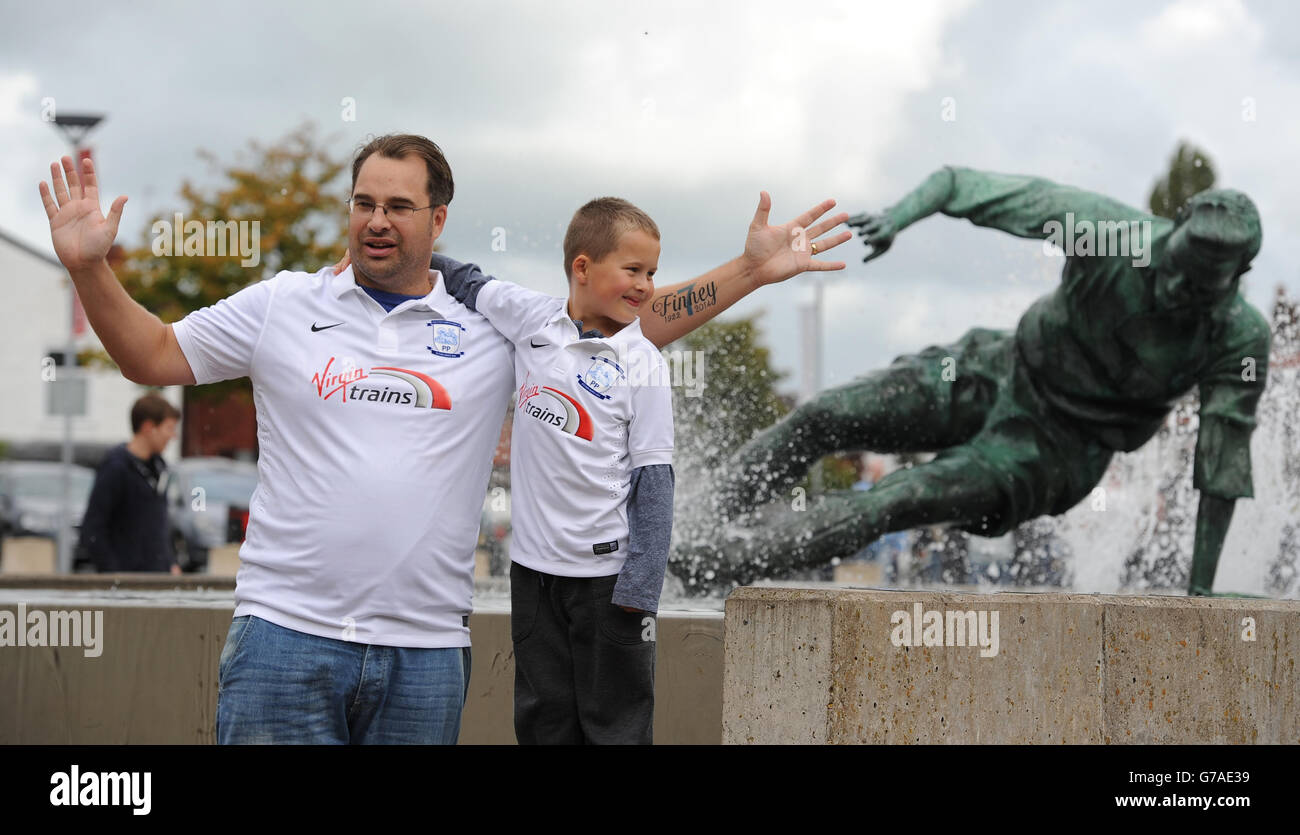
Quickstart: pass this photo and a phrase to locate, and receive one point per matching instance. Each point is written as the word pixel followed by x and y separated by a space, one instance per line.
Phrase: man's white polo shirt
pixel 587 412
pixel 376 433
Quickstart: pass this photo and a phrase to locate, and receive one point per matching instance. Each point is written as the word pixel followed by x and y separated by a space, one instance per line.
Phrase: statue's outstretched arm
pixel 1028 207
pixel 1230 393
pixel 877 230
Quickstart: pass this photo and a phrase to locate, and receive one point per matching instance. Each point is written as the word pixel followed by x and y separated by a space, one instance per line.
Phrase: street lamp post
pixel 811 360
pixel 74 127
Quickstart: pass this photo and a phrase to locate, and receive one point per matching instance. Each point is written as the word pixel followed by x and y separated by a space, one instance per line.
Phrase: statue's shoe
pixel 770 542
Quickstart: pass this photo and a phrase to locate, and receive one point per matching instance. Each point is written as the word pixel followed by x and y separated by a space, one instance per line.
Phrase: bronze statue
pixel 1024 423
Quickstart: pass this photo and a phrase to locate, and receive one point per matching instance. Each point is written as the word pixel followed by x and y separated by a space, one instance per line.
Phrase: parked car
pixel 494 531
pixel 31 497
pixel 208 501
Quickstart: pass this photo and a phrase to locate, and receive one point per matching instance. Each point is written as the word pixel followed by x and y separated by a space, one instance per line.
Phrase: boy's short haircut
pixel 597 226
pixel 151 409
pixel 439 185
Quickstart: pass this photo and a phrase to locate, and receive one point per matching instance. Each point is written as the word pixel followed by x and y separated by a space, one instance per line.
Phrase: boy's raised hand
pixel 775 253
pixel 82 235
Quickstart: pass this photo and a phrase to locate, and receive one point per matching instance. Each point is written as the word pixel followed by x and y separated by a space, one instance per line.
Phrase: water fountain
pixel 1079 400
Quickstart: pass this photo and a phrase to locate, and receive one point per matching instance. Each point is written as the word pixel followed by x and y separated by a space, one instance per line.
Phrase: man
pixel 125 526
pixel 1026 423
pixel 372 386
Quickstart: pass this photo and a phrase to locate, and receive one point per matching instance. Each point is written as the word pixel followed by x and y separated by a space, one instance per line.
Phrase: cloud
pixel 688 110
pixel 1190 26
pixel 706 93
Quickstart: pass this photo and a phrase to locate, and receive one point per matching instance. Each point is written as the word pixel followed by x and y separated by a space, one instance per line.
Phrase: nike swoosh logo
pixel 315 327
pixel 535 345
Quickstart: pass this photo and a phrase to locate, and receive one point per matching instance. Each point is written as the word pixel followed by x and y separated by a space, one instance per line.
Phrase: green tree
pixel 1190 173
pixel 291 188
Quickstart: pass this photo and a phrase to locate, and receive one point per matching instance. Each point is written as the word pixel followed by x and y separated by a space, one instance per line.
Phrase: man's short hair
pixel 151 409
pixel 1222 221
pixel 401 145
pixel 597 226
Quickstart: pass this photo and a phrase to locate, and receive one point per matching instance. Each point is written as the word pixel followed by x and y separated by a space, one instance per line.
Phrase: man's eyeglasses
pixel 400 211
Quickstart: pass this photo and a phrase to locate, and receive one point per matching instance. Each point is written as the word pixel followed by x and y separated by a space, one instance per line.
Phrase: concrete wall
pixel 802 666
pixel 156 679
pixel 821 666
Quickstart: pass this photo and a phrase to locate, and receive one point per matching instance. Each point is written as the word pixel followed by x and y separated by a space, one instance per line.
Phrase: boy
pixel 591 471
pixel 125 527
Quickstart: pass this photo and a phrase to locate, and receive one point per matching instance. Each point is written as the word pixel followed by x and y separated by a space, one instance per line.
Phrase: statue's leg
pixel 1021 462
pixel 784 537
pixel 912 406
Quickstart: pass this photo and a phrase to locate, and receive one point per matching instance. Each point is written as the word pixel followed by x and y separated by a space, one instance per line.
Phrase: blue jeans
pixel 281 686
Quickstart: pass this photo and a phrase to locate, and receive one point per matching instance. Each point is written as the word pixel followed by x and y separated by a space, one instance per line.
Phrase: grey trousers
pixel 584 668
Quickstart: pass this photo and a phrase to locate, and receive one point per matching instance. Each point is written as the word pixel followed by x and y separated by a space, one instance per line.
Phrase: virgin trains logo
pixel 556 408
pixel 382 384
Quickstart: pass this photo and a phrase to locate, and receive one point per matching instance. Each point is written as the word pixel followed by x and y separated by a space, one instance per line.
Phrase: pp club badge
pixel 446 338
pixel 603 375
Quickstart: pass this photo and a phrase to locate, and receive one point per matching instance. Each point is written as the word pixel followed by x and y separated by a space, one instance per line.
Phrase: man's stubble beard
pixel 394 275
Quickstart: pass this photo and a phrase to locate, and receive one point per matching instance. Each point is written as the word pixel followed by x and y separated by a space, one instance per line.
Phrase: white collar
pixel 436 300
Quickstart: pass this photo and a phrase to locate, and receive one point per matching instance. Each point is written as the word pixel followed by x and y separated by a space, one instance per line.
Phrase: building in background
pixel 34 326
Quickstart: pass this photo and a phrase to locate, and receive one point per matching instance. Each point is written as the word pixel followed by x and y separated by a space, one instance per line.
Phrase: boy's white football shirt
pixel 587 412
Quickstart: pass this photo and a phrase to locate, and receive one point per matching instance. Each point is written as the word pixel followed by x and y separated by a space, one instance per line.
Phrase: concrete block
pixel 154 680
pixel 859 574
pixel 867 666
pixel 1184 670
pixel 223 561
pixel 27 555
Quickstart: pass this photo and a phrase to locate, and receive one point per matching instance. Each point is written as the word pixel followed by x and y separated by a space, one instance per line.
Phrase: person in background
pixel 125 526
pixel 887 549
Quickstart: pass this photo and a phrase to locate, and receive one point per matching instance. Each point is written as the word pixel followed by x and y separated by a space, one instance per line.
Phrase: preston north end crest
pixel 446 338
pixel 603 374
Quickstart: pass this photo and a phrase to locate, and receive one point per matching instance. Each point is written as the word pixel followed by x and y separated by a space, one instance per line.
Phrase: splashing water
pixel 1133 534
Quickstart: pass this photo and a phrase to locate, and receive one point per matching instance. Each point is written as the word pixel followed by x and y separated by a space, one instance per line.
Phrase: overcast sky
pixel 688 109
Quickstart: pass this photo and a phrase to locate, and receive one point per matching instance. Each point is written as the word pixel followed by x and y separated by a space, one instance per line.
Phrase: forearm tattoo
pixel 689 300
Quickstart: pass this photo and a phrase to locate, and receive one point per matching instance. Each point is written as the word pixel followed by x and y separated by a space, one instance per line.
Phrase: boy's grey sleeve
pixel 650 527
pixel 463 281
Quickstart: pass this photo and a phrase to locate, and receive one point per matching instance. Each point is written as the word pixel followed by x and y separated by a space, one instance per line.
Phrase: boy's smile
pixel 609 294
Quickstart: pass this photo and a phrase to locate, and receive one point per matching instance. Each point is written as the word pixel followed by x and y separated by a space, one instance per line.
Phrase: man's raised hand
pixel 775 253
pixel 82 235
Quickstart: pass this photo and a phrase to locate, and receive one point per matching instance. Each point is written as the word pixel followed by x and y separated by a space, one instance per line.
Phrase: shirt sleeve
pixel 650 529
pixel 219 341
pixel 1032 207
pixel 100 508
pixel 515 311
pixel 650 428
pixel 1230 393
pixel 462 281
